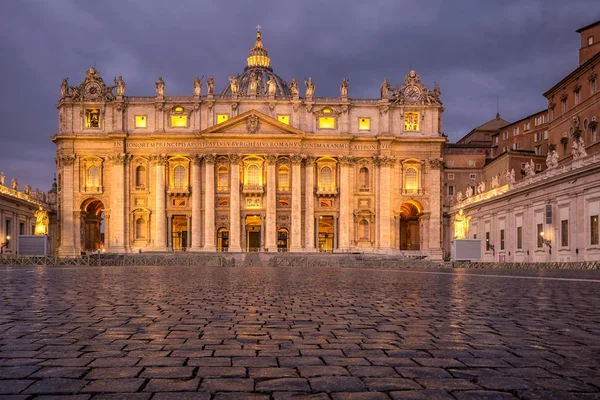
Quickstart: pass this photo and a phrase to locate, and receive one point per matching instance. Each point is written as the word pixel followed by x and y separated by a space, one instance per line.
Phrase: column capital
pixel 384 161
pixel 296 158
pixel 271 158
pixel 436 163
pixel 158 159
pixel 197 159
pixel 234 158
pixel 210 158
pixel 310 160
pixel 346 160
pixel 119 158
pixel 66 160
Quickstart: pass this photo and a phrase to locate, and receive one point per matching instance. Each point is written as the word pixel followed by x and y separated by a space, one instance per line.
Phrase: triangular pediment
pixel 252 123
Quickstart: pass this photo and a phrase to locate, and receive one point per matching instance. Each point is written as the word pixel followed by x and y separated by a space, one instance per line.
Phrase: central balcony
pixel 252 190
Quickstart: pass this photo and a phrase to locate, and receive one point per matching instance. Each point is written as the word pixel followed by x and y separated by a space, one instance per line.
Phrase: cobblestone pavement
pixel 283 333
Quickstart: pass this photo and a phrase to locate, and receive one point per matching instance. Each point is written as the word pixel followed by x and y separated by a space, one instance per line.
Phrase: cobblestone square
pixel 295 333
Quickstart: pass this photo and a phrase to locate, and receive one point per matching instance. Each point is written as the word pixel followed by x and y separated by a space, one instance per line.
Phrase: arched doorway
pixel 410 235
pixel 223 239
pixel 282 240
pixel 326 231
pixel 92 225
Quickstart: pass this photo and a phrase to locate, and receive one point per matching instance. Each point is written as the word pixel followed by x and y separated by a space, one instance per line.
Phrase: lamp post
pixel 5 244
pixel 547 242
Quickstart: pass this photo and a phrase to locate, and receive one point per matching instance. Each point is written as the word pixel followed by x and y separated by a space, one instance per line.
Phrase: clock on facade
pixel 92 90
pixel 412 93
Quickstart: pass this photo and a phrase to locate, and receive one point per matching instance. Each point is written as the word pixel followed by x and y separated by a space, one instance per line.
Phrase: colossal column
pixel 435 194
pixel 67 228
pixel 209 202
pixel 271 218
pixel 159 161
pixel 309 203
pixel 234 208
pixel 384 213
pixel 196 239
pixel 117 202
pixel 296 240
pixel 344 219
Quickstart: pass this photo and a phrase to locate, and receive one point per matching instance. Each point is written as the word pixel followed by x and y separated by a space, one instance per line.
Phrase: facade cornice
pixel 571 77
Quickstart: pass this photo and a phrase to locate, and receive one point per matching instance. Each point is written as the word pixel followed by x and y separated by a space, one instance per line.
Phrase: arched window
pixel 223 177
pixel 140 176
pixel 364 229
pixel 326 178
pixel 140 228
pixel 253 175
pixel 411 179
pixel 179 176
pixel 284 178
pixel 363 178
pixel 93 177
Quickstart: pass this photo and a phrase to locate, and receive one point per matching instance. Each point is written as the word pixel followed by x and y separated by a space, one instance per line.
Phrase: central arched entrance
pixel 326 231
pixel 92 225
pixel 410 235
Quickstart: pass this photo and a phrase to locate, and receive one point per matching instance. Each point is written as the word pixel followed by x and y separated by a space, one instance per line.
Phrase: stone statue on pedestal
pixel 385 89
pixel 120 86
pixel 160 86
pixel 310 87
pixel 14 183
pixel 210 84
pixel 344 88
pixel 41 222
pixel 294 87
pixel 197 86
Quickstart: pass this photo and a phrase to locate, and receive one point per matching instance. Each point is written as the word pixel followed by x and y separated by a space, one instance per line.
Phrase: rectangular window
pixel 563 105
pixel 538 150
pixel 451 190
pixel 364 124
pixel 7 227
pixel 594 229
pixel 515 146
pixel 411 121
pixel 92 118
pixel 577 97
pixel 496 139
pixel 141 121
pixel 501 239
pixel 590 40
pixel 594 134
pixel 487 241
pixel 21 228
pixel 222 118
pixel 592 86
pixel 450 176
pixel 552 113
pixel 540 237
pixel 326 123
pixel 545 134
pixel 179 121
pixel 473 176
pixel 538 137
pixel 538 167
pixel 519 237
pixel 564 232
pixel 450 163
pixel 505 135
pixel 284 119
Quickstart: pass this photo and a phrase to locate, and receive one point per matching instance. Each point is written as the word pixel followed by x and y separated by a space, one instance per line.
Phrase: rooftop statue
pixel 344 88
pixel 272 86
pixel 294 87
pixel 385 89
pixel 210 83
pixel 2 178
pixel 160 87
pixel 233 84
pixel 310 87
pixel 14 183
pixel 197 86
pixel 120 85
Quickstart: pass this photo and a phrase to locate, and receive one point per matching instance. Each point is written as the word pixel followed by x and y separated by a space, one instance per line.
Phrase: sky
pixel 480 52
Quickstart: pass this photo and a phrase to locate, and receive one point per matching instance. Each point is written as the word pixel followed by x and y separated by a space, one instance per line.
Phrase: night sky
pixel 476 50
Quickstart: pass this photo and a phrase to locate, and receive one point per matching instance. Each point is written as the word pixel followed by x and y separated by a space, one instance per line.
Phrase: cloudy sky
pixel 477 51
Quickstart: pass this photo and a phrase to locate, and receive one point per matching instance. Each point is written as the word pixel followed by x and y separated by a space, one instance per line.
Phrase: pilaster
pixel 234 204
pixel 271 216
pixel 116 241
pixel 435 206
pixel 344 219
pixel 296 239
pixel 196 220
pixel 209 202
pixel 160 240
pixel 309 203
pixel 384 212
pixel 68 228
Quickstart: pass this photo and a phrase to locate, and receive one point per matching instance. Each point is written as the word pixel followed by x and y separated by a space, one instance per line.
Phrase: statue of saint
pixel 294 87
pixel 461 225
pixel 344 88
pixel 41 222
pixel 197 86
pixel 469 191
pixel 459 196
pixel 272 86
pixel 552 159
pixel 64 89
pixel 120 86
pixel 385 89
pixel 14 183
pixel 160 87
pixel 210 83
pixel 436 92
pixel 27 189
pixel 512 176
pixel 581 147
pixel 233 84
pixel 2 178
pixel 310 87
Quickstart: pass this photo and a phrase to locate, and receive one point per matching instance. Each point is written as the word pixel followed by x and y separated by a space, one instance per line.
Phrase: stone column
pixel 309 203
pixel 271 217
pixel 344 218
pixel 384 212
pixel 296 239
pixel 209 202
pixel 195 231
pixel 67 228
pixel 435 217
pixel 117 202
pixel 234 204
pixel 160 243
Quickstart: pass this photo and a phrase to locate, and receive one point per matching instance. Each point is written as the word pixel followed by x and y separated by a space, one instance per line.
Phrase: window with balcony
pixel 326 178
pixel 222 178
pixel 411 183
pixel 179 175
pixel 92 180
pixel 284 177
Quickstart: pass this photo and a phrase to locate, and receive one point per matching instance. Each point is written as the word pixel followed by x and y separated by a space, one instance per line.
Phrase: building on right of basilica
pixel 536 196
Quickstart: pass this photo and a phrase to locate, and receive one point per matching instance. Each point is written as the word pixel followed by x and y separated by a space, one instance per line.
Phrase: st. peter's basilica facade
pixel 255 168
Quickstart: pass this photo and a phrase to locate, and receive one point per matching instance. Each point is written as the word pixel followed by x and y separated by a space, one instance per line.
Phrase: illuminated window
pixel 592 86
pixel 364 124
pixel 223 239
pixel 253 175
pixel 501 239
pixel 92 118
pixel 179 176
pixel 93 177
pixel 326 203
pixel 284 178
pixel 140 121
pixel 411 179
pixel 223 178
pixel 326 178
pixel 222 118
pixel 178 121
pixel 363 178
pixel 326 122
pixel 540 237
pixel 140 176
pixel 140 228
pixel 450 176
pixel 364 229
pixel 285 119
pixel 411 121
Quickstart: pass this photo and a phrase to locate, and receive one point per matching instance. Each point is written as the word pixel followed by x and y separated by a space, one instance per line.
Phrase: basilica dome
pixel 257 74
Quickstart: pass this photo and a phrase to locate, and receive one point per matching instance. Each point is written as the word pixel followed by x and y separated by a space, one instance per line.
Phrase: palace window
pixel 253 175
pixel 140 228
pixel 92 180
pixel 540 237
pixel 284 178
pixel 364 229
pixel 590 40
pixel 326 123
pixel 140 176
pixel 501 239
pixel 284 119
pixel 450 176
pixel 326 178
pixel 178 119
pixel 564 232
pixel 577 97
pixel 563 105
pixel 592 86
pixel 92 118
pixel 363 178
pixel 222 118
pixel 487 241
pixel 411 182
pixel 594 229
pixel 411 121
pixel 179 175
pixel 222 178
pixel 594 134
pixel 519 237
pixel 364 124
pixel 473 176
pixel 505 135
pixel 450 190
pixel 141 121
